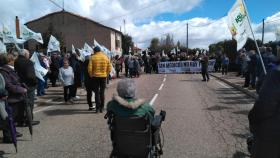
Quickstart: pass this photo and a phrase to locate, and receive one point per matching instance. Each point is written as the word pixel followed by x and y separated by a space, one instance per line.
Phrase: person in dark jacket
pixel 54 68
pixel 252 68
pixel 87 81
pixel 16 89
pixel 264 118
pixel 269 60
pixel 76 64
pixel 26 72
pixel 204 67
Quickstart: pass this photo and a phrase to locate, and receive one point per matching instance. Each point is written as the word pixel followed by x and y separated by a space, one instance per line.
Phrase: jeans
pixel 98 86
pixel 40 88
pixel 68 92
pixel 205 74
pixel 31 96
pixel 253 79
pixel 224 69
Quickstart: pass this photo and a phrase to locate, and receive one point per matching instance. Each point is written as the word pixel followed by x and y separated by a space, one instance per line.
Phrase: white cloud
pixel 103 11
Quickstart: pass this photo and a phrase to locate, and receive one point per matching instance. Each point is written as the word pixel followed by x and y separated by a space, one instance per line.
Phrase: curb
pixel 251 94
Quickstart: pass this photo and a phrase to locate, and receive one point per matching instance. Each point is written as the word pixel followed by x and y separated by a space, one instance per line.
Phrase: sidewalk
pixel 236 82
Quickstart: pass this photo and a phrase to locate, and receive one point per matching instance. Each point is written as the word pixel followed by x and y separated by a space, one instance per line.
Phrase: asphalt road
pixel 204 120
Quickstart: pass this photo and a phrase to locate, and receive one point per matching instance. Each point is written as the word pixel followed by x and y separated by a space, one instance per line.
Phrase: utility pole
pixel 187 38
pixel 124 25
pixel 263 32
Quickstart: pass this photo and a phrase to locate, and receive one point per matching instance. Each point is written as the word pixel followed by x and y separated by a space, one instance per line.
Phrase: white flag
pixel 238 23
pixel 173 51
pixel 2 48
pixel 73 49
pixel 27 34
pixel 40 72
pixel 53 45
pixel 87 50
pixel 9 37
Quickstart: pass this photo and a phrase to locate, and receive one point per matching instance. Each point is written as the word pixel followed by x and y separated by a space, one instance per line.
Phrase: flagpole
pixel 248 18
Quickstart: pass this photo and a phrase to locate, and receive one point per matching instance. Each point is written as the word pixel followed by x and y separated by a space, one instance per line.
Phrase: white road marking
pixel 154 99
pixel 220 83
pixel 161 87
pixel 164 80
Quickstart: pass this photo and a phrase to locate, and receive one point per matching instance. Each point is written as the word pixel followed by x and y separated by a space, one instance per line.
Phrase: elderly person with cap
pixel 126 104
pixel 26 72
pixel 99 67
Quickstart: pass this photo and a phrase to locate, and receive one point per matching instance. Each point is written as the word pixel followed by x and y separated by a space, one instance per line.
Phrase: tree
pixel 154 45
pixel 127 44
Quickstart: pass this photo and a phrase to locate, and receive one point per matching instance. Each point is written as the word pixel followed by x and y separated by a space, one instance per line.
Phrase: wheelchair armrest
pixel 156 122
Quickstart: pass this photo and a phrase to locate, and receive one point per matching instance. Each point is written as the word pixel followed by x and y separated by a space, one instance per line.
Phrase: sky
pixel 145 19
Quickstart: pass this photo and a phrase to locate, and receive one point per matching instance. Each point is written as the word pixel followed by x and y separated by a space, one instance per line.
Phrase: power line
pixel 56 4
pixel 133 12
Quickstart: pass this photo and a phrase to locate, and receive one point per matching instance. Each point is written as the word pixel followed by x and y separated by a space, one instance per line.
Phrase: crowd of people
pixel 250 66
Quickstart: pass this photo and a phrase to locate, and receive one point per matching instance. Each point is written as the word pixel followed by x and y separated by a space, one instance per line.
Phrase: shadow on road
pixel 242 112
pixel 57 112
pixel 3 154
pixel 190 80
pixel 239 135
pixel 239 154
pixel 217 107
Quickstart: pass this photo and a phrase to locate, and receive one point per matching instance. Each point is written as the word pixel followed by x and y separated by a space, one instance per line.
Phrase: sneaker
pixel 90 108
pixel 77 97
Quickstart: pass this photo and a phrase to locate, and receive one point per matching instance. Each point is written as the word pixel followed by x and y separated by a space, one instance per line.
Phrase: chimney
pixel 17 27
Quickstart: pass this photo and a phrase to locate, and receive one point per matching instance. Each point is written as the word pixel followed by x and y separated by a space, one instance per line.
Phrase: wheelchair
pixel 135 137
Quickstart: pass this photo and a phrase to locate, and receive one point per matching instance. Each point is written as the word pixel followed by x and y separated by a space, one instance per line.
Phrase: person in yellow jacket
pixel 99 67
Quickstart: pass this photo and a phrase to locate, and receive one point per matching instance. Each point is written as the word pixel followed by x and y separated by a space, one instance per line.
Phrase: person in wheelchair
pixel 126 112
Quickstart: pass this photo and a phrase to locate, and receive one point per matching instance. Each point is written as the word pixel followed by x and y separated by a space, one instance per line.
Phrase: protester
pixel 99 68
pixel 118 66
pixel 87 81
pixel 7 138
pixel 54 68
pixel 264 118
pixel 252 65
pixel 126 104
pixel 26 72
pixel 126 65
pixel 41 83
pixel 66 76
pixel 76 65
pixel 46 62
pixel 245 69
pixel 16 90
pixel 225 63
pixel 204 67
pixel 269 60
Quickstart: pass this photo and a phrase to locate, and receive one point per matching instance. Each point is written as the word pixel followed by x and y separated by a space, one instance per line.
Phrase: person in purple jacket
pixel 16 89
